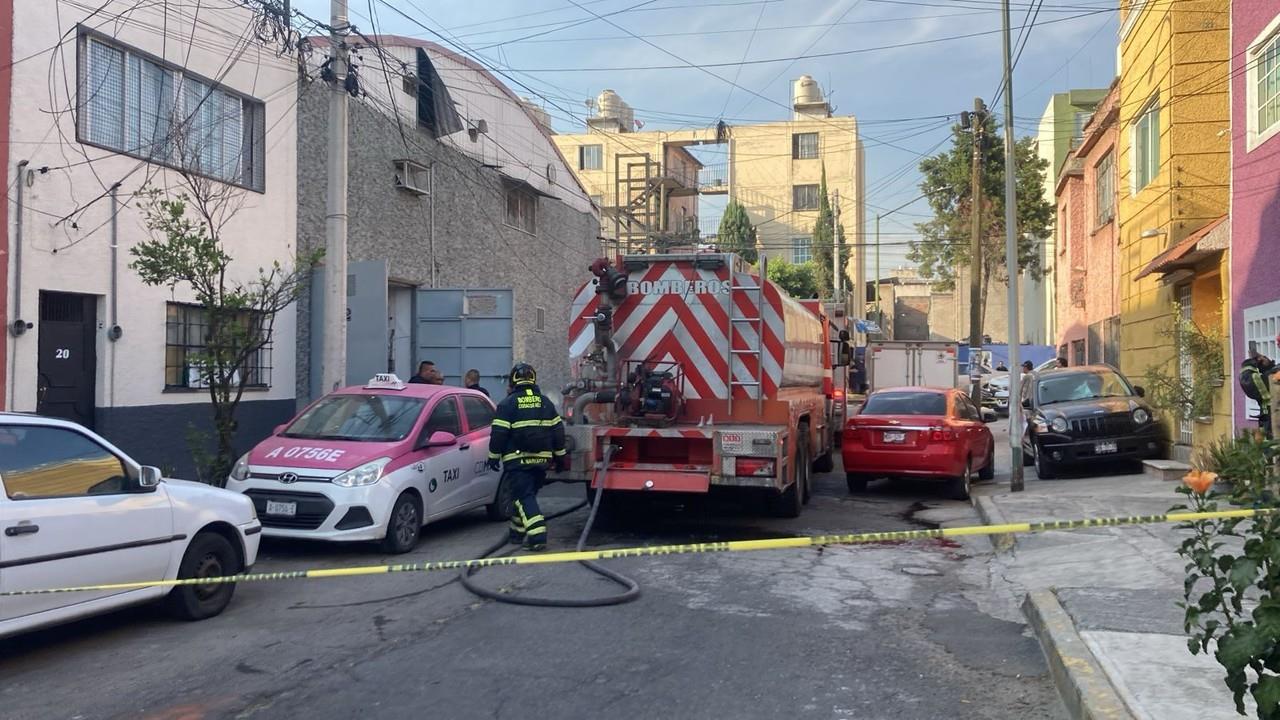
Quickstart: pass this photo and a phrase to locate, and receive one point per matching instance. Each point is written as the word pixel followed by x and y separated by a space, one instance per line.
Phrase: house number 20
pixel 61 353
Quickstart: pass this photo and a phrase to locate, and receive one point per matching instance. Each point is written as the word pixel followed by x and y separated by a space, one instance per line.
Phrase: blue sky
pixel 897 91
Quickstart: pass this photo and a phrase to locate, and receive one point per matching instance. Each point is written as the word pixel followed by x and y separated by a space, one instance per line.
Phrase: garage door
pixel 463 329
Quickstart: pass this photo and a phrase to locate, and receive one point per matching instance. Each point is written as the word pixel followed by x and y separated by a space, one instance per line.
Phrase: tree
pixel 800 280
pixel 736 234
pixel 944 244
pixel 823 243
pixel 187 249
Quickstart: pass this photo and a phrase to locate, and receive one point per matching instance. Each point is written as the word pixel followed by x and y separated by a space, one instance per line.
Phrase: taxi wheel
pixel 209 555
pixel 501 507
pixel 404 525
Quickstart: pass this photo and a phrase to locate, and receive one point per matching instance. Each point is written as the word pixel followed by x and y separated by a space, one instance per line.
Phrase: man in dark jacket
pixel 527 437
pixel 472 381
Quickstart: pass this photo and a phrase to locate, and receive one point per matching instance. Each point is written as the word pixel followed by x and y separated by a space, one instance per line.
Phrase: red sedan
pixel 918 432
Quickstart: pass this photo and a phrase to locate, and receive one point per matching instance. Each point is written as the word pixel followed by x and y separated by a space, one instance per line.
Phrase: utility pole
pixel 333 362
pixel 977 126
pixel 837 277
pixel 879 315
pixel 1011 263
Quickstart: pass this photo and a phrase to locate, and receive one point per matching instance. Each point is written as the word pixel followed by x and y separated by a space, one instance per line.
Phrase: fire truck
pixel 695 375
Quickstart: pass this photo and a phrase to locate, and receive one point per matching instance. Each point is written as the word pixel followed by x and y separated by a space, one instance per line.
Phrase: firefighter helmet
pixel 523 374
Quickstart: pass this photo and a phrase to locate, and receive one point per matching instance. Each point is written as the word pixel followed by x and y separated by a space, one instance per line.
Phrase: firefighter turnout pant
pixel 527 522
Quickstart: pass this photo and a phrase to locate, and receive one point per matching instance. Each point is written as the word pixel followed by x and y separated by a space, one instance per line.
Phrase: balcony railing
pixel 714 178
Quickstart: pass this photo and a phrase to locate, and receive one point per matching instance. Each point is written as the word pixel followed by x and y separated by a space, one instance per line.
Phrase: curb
pixel 991 515
pixel 1080 679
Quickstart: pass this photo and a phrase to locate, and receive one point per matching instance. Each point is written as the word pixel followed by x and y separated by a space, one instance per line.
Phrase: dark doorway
pixel 68 362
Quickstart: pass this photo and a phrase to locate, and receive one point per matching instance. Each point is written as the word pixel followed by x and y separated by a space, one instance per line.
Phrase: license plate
pixel 1104 448
pixel 895 437
pixel 282 508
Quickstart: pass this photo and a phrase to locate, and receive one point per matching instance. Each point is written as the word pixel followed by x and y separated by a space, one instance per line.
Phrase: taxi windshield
pixel 363 418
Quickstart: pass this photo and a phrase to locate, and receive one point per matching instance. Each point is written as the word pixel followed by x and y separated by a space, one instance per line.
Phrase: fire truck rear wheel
pixel 790 502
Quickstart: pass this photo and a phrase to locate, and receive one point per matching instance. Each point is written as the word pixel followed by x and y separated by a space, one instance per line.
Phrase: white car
pixel 374 462
pixel 77 511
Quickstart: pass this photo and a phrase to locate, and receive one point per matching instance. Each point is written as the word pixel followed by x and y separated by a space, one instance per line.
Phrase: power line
pixel 791 58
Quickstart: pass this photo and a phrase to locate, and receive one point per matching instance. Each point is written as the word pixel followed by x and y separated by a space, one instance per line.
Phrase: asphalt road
pixel 879 631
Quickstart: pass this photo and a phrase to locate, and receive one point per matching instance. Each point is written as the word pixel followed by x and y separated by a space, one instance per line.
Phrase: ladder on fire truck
pixel 755 349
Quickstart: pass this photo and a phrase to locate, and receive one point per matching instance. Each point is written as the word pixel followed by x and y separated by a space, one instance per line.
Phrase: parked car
pixel 995 393
pixel 1088 414
pixel 919 432
pixel 77 511
pixel 374 462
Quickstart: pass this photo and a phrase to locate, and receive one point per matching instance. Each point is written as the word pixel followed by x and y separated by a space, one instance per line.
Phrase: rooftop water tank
pixel 610 105
pixel 805 91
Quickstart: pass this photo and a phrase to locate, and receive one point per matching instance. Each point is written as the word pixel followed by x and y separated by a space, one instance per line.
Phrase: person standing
pixel 472 381
pixel 426 373
pixel 1255 381
pixel 527 437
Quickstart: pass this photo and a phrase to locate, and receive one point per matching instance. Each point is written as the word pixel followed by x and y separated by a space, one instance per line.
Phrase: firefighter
pixel 527 437
pixel 1255 382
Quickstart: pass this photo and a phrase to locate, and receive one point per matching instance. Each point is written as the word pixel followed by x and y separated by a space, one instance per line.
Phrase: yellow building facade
pixel 1173 185
pixel 647 183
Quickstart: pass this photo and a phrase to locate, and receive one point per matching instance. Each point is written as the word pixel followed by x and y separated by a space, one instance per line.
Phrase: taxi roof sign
pixel 385 381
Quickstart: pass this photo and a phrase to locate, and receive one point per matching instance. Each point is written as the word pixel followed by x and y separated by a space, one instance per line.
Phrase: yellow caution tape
pixel 689 549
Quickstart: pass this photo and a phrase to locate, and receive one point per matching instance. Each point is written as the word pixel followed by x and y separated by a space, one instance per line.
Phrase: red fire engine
pixel 700 376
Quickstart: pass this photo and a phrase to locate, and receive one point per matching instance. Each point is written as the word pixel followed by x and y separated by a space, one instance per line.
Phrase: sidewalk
pixel 1104 600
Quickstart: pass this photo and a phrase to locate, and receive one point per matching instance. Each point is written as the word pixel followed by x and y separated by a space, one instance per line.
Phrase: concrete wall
pixel 949 311
pixel 474 248
pixel 69 179
pixel 1255 200
pixel 1163 52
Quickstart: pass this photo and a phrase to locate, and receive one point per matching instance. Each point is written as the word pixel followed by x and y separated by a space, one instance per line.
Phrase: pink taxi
pixel 373 462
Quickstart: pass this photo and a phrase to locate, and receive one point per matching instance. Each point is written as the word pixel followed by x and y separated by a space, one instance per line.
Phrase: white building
pixel 116 98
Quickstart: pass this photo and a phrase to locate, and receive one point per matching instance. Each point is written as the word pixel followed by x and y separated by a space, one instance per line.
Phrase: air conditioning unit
pixel 412 177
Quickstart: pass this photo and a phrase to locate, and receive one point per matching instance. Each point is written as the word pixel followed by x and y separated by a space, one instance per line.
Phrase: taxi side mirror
pixel 440 438
pixel 279 428
pixel 148 477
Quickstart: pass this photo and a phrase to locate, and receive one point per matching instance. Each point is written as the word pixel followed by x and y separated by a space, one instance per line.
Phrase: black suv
pixel 1086 414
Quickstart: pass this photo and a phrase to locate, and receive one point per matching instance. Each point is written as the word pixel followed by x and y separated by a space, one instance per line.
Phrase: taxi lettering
pixel 307 453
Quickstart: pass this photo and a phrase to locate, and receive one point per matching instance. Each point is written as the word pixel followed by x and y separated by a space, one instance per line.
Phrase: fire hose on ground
pixel 632 588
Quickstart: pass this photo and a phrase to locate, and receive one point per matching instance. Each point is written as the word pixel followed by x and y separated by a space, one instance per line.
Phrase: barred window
pixel 804 146
pixel 1104 184
pixel 522 210
pixel 802 249
pixel 186 337
pixel 136 105
pixel 590 157
pixel 804 197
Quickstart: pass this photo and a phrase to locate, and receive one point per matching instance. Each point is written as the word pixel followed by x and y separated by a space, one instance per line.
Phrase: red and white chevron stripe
pixel 676 312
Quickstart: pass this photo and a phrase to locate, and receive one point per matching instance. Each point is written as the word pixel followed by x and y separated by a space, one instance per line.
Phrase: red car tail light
pixel 754 467
pixel 941 434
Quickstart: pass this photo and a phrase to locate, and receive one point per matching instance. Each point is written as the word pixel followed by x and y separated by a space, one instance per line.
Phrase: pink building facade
pixel 1088 261
pixel 1255 187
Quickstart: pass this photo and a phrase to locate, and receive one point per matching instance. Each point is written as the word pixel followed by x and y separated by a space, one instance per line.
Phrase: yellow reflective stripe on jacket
pixel 533 423
pixel 494 456
pixel 561 452
pixel 537 530
pixel 499 422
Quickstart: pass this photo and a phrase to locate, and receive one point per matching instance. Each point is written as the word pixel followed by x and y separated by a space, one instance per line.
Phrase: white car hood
pixel 227 504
